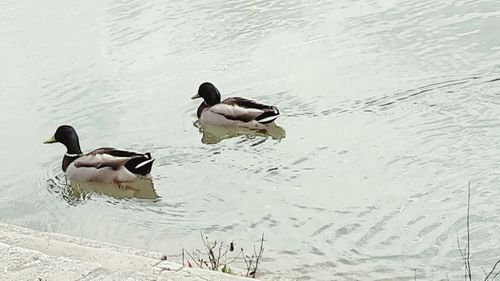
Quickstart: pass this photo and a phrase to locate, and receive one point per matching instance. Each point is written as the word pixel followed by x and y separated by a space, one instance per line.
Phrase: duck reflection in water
pixel 75 192
pixel 214 134
pixel 141 188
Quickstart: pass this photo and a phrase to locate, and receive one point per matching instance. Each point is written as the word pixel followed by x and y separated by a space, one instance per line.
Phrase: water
pixel 389 109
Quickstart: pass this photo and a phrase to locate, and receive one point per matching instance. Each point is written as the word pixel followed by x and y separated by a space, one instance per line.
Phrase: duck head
pixel 209 93
pixel 66 135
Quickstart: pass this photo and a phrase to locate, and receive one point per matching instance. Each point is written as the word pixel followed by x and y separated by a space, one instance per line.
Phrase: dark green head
pixel 209 93
pixel 67 135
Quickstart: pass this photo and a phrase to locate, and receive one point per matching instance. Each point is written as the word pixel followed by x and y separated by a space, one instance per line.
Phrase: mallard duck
pixel 105 165
pixel 233 112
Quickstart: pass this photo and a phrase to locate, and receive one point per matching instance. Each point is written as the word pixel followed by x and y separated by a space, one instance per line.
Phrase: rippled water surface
pixel 389 108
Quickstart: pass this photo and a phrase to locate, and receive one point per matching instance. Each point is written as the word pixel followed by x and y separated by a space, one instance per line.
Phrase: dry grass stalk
pixel 465 253
pixel 252 262
pixel 216 256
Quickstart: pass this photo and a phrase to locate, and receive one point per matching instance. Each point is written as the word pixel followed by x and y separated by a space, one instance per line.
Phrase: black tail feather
pixel 140 165
pixel 267 116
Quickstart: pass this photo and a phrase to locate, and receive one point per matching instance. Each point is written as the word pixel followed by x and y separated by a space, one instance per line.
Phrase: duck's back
pixel 109 165
pixel 238 111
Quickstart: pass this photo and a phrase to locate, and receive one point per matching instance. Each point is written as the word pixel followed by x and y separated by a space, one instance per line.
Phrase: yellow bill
pixel 51 140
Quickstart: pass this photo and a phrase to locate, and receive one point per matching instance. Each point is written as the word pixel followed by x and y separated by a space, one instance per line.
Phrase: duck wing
pixel 137 163
pixel 246 110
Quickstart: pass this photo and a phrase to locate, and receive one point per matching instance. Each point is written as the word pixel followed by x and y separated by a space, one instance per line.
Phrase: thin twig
pixel 494 277
pixel 195 260
pixel 492 270
pixel 463 258
pixel 224 255
pixel 218 257
pixel 468 233
pixel 466 253
pixel 214 264
pixel 234 259
pixel 248 263
pixel 182 256
pixel 261 250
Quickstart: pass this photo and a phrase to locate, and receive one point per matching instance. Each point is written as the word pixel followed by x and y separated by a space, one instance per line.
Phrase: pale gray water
pixel 389 107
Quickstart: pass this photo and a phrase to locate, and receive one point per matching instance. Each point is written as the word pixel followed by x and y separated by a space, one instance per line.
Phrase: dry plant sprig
pixel 252 262
pixel 217 256
pixel 465 253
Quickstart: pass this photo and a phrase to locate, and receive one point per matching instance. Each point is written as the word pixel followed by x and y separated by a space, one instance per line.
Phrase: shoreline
pixel 27 254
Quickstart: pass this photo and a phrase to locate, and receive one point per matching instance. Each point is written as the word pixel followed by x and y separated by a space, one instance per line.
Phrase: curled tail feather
pixel 268 116
pixel 140 165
